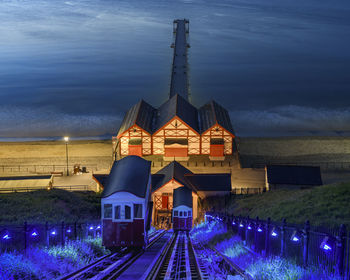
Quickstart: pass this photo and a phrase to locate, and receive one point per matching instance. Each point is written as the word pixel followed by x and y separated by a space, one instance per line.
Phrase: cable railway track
pixel 111 266
pixel 198 246
pixel 177 261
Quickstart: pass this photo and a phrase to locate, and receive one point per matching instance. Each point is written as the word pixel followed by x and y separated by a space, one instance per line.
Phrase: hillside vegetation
pixel 53 206
pixel 325 205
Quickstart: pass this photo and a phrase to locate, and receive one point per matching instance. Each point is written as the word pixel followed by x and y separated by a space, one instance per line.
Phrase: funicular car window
pixel 189 213
pixel 107 211
pixel 138 211
pixel 127 212
pixel 176 213
pixel 117 214
pixel 180 213
pixel 185 214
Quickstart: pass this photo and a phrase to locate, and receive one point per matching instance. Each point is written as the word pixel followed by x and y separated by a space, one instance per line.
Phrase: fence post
pixel 306 238
pixel 340 251
pixel 25 237
pixel 75 230
pixel 47 234
pixel 256 226
pixel 267 237
pixel 62 233
pixel 87 231
pixel 283 234
pixel 246 229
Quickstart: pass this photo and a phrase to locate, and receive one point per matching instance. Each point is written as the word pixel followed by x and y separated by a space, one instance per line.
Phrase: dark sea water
pixel 74 67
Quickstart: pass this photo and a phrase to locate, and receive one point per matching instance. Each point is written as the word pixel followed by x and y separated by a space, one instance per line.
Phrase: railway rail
pixel 232 268
pixel 177 261
pixel 111 266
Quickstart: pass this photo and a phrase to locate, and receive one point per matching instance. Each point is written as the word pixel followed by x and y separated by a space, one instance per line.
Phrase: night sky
pixel 280 67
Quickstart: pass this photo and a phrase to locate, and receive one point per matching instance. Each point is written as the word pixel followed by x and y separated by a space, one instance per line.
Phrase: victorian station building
pixel 174 132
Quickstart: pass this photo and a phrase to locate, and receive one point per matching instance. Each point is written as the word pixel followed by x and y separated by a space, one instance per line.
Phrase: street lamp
pixel 66 139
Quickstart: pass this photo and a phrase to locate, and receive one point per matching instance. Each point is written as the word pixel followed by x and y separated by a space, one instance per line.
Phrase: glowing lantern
pixel 295 237
pixel 274 232
pixel 6 237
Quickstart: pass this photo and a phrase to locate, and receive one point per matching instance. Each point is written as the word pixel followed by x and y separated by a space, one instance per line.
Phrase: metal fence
pixel 41 168
pixel 84 188
pixel 22 237
pixel 257 190
pixel 309 246
pixel 196 163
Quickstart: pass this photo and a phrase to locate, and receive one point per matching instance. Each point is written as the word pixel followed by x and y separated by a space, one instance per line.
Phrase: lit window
pixel 107 211
pixel 176 213
pixel 117 212
pixel 138 211
pixel 180 213
pixel 127 212
pixel 189 213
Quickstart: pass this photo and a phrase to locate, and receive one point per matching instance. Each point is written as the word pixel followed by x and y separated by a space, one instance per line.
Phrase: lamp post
pixel 66 139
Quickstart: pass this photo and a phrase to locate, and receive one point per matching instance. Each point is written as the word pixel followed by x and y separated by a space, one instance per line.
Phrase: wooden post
pixel 340 250
pixel 306 239
pixel 283 240
pixel 267 237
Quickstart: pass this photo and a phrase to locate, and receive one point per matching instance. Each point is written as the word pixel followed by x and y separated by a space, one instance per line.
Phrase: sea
pixel 280 67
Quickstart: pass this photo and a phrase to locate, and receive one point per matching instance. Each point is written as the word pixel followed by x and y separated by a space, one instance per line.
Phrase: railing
pixel 22 237
pixel 41 168
pixel 310 246
pixel 196 163
pixel 30 189
pixel 237 191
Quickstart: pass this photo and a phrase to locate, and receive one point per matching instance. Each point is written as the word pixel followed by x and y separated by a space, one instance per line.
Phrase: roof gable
pixel 177 106
pixel 294 175
pixel 173 170
pixel 212 113
pixel 141 114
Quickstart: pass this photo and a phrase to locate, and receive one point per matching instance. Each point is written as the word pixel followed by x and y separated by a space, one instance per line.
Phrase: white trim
pixel 122 212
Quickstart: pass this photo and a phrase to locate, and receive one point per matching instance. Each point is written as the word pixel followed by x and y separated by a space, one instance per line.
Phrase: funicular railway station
pixel 175 133
pixel 192 146
pixel 136 195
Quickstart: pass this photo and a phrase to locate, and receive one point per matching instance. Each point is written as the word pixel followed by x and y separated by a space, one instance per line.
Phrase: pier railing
pixel 326 249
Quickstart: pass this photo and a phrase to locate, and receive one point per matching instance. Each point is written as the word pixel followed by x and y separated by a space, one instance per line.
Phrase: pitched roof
pixel 141 114
pixel 130 174
pixel 294 175
pixel 177 106
pixel 182 196
pixel 173 170
pixel 212 113
pixel 210 182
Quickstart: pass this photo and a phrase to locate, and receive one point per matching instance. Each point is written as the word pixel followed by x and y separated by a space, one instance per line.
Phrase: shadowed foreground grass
pixel 50 263
pixel 325 205
pixel 53 206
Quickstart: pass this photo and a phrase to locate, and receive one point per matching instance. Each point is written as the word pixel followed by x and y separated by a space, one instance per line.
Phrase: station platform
pixel 143 265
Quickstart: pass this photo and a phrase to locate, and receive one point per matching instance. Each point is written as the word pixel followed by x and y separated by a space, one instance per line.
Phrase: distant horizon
pixel 280 68
pixel 109 138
